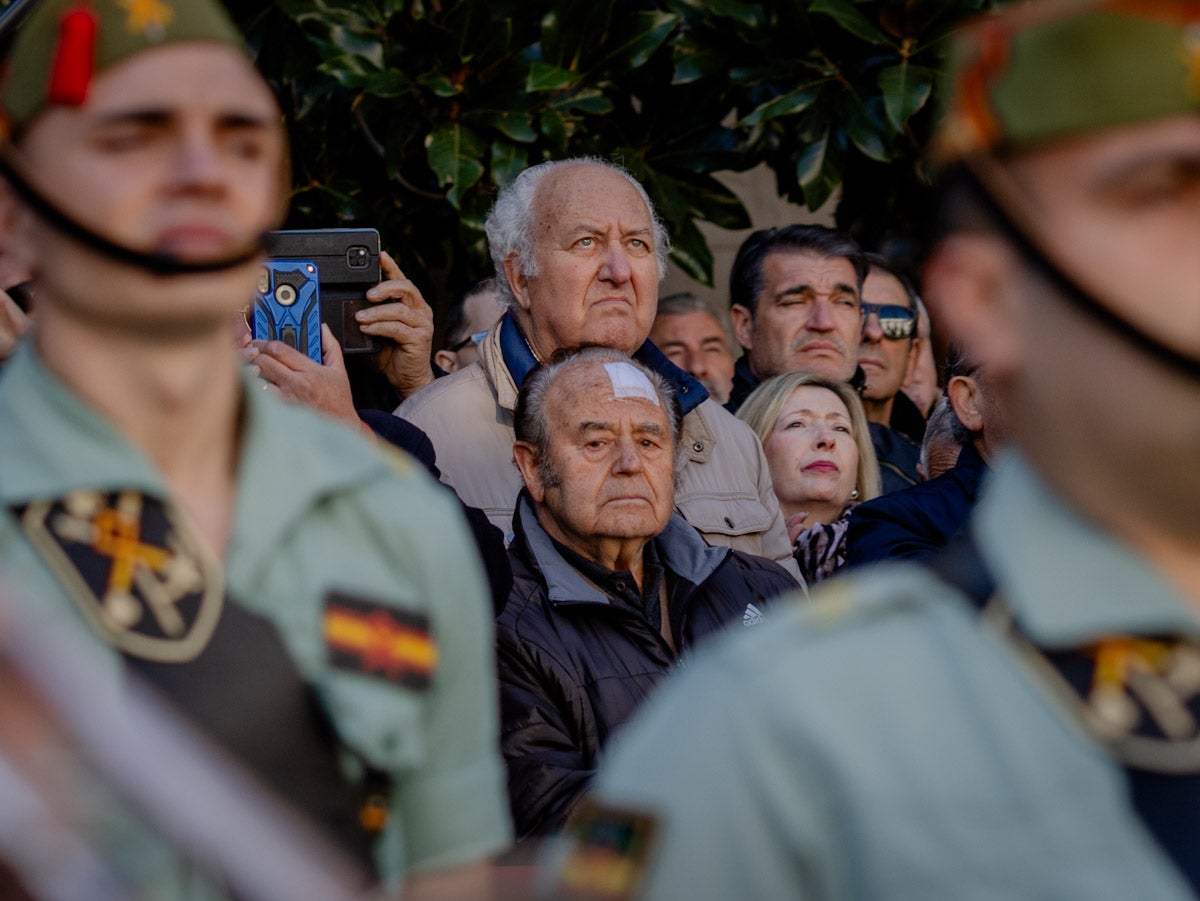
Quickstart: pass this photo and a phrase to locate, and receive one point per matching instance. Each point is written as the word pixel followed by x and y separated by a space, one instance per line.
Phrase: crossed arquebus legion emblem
pixel 133 568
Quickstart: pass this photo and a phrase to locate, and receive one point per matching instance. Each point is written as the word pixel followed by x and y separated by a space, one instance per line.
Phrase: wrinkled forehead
pixel 806 266
pixel 580 392
pixel 589 191
pixel 688 320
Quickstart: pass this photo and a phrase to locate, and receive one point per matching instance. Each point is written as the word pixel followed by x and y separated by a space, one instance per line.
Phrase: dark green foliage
pixel 408 114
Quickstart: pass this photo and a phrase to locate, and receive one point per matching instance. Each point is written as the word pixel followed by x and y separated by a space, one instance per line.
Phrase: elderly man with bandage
pixel 610 586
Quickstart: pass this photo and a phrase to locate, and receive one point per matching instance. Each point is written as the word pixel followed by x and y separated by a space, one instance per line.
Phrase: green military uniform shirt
pixel 317 510
pixel 884 741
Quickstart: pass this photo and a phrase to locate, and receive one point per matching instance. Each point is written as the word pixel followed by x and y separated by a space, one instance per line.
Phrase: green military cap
pixel 63 43
pixel 1041 71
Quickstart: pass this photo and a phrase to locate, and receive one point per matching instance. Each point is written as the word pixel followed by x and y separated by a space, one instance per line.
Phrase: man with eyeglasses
pixel 467 324
pixel 889 347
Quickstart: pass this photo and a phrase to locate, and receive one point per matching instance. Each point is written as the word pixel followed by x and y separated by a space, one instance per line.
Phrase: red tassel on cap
pixel 71 71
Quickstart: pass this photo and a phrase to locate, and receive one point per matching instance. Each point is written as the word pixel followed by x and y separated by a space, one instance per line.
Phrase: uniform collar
pixel 292 459
pixel 1066 580
pixel 53 442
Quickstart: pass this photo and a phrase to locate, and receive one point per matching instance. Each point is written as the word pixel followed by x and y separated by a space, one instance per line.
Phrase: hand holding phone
pixel 323 386
pixel 399 315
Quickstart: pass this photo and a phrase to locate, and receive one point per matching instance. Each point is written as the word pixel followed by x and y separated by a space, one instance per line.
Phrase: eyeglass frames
pixel 470 339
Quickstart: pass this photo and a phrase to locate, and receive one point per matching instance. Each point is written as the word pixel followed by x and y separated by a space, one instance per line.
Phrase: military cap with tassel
pixel 63 44
pixel 1037 72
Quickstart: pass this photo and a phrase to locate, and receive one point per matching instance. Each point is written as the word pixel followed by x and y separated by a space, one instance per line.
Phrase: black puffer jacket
pixel 574 666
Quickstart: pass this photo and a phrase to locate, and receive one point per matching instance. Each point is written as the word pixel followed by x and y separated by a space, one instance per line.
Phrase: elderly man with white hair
pixel 580 254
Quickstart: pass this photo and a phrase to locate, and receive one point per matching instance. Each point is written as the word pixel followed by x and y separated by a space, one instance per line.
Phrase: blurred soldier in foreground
pixel 303 598
pixel 1019 721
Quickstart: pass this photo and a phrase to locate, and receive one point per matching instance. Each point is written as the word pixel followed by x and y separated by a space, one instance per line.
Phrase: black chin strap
pixel 1070 289
pixel 156 263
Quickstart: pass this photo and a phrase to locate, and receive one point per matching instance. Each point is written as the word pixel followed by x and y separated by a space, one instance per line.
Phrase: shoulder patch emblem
pixel 144 584
pixel 398 461
pixel 377 640
pixel 609 850
pixel 831 605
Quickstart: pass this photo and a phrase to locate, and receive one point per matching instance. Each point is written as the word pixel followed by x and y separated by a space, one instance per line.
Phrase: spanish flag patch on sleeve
pixel 378 640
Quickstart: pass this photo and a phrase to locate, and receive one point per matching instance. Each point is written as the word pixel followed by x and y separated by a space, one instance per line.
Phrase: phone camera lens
pixel 357 257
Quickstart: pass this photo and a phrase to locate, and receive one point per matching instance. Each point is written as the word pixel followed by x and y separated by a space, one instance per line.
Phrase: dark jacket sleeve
pixel 883 529
pixel 547 768
pixel 915 524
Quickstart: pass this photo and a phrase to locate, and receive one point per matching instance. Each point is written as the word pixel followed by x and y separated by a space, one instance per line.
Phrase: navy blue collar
pixel 520 360
pixel 518 355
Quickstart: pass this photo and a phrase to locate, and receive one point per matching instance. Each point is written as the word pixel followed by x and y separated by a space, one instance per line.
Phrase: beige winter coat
pixel 724 489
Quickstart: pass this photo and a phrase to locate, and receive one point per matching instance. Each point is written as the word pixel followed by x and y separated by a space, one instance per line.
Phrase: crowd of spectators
pixel 557 593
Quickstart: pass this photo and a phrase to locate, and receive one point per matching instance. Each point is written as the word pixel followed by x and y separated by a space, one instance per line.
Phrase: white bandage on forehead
pixel 629 381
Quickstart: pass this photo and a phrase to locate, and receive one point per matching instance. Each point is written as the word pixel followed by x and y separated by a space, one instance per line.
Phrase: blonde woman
pixel 818 446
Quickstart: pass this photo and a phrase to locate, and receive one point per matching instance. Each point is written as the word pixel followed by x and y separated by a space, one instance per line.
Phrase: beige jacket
pixel 724 488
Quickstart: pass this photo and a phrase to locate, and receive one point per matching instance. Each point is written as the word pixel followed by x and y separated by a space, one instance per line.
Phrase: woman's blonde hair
pixel 761 410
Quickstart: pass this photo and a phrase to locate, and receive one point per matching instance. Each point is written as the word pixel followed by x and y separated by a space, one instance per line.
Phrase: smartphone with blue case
pixel 287 305
pixel 347 260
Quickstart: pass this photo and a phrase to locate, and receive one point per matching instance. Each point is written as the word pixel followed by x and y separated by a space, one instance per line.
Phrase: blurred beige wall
pixel 756 189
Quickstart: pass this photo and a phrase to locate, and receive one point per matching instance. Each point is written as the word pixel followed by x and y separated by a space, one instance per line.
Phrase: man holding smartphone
pixel 240 554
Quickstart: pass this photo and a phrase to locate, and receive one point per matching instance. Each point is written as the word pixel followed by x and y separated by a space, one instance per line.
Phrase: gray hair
pixel 529 419
pixel 510 224
pixel 684 302
pixel 943 431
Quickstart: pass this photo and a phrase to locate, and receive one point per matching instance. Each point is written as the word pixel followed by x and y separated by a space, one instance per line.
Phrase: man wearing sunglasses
pixel 889 347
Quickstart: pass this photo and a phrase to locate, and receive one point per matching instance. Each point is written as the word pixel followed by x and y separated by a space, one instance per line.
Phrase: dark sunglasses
pixel 894 321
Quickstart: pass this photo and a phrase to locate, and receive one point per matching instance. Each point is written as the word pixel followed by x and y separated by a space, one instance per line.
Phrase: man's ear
pixel 447 360
pixel 972 285
pixel 910 363
pixel 525 455
pixel 963 391
pixel 517 282
pixel 743 325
